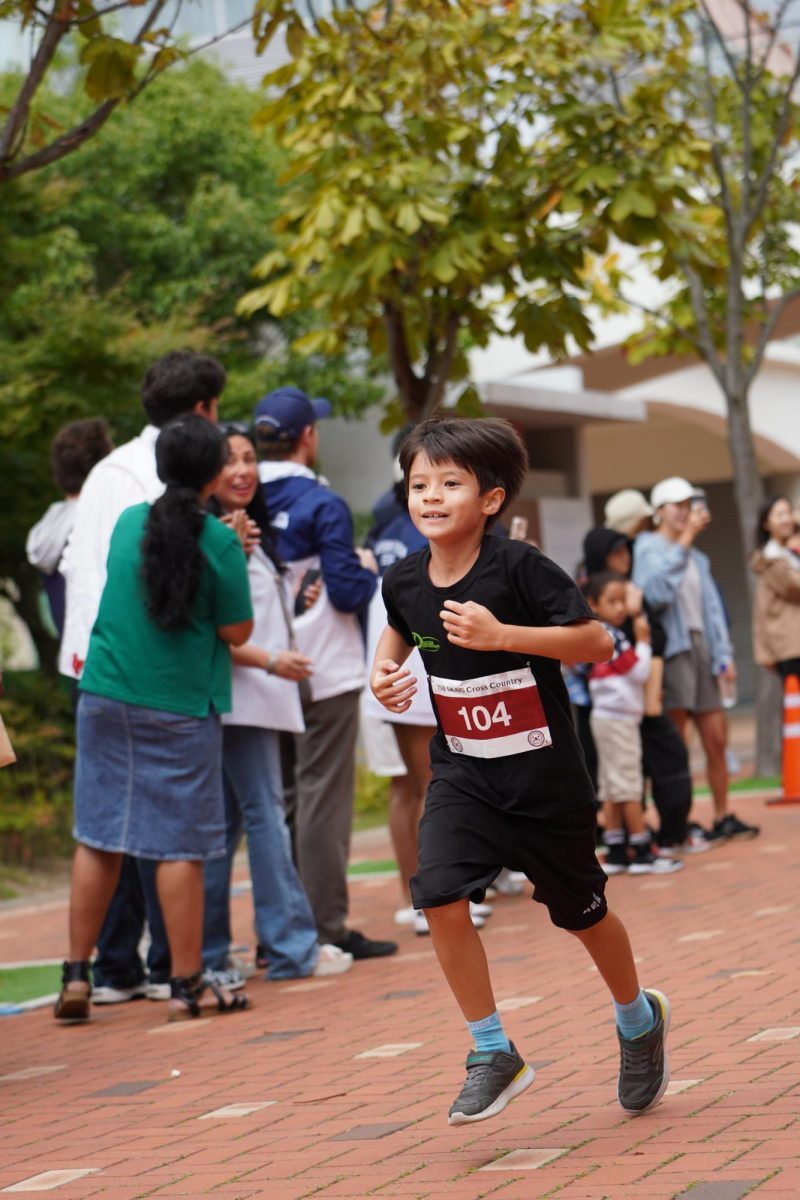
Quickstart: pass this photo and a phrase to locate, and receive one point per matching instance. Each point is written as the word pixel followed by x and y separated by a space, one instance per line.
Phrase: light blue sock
pixel 636 1019
pixel 488 1033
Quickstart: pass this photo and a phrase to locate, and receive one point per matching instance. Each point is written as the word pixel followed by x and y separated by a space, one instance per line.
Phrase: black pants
pixel 665 760
pixel 118 963
pixel 789 666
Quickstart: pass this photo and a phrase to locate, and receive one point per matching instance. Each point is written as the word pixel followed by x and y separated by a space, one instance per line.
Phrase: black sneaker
pixel 616 860
pixel 730 827
pixel 494 1078
pixel 359 946
pixel 644 1068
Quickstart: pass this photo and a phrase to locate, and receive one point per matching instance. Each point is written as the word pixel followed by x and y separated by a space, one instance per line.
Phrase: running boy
pixel 492 617
pixel 617 692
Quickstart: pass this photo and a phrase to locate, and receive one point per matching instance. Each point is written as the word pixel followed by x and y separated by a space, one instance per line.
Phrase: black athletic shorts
pixel 463 845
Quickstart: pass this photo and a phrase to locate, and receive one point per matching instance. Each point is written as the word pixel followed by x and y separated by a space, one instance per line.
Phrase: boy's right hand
pixel 393 686
pixel 641 628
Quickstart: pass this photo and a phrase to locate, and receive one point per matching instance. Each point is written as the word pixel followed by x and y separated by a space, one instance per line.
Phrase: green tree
pixel 140 243
pixel 728 254
pixel 449 168
pixel 116 49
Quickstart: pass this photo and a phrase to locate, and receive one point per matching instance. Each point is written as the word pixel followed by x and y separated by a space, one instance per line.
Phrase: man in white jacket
pixel 180 382
pixel 314 529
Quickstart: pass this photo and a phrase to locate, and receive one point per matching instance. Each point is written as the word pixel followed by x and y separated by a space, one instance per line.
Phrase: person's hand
pixel 729 672
pixel 367 559
pixel 641 628
pixel 292 665
pixel 311 594
pixel 699 519
pixel 471 625
pixel 244 527
pixel 392 685
pixel 633 599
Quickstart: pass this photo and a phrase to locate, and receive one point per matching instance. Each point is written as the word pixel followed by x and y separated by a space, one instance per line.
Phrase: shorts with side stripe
pixel 463 845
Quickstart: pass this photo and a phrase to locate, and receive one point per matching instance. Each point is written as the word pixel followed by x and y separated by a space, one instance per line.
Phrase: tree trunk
pixel 749 492
pixel 747 486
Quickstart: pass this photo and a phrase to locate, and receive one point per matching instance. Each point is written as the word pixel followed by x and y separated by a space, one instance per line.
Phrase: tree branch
pixel 14 129
pixel 408 383
pixel 62 145
pixel 780 130
pixel 439 367
pixel 75 137
pixel 767 331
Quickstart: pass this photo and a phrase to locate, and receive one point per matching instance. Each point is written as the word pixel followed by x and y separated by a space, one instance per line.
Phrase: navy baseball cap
pixel 282 415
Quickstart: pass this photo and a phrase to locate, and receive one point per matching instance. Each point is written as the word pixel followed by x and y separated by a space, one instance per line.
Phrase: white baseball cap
pixel 625 511
pixel 674 490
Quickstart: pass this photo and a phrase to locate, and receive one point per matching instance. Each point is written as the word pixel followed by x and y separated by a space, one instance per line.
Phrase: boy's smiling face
pixel 444 501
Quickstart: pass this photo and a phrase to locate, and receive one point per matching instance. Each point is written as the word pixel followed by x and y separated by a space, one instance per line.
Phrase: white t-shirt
pixel 127 476
pixel 690 597
pixel 260 699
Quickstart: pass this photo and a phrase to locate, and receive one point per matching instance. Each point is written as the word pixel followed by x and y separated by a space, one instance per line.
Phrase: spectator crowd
pixel 216 622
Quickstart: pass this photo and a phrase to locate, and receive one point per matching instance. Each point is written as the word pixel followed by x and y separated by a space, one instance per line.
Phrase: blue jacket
pixel 658 569
pixel 310 520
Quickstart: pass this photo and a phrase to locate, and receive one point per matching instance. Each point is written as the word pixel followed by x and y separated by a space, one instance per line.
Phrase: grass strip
pixel 26 983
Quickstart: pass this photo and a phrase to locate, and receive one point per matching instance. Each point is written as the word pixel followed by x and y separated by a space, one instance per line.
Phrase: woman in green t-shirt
pixel 158 674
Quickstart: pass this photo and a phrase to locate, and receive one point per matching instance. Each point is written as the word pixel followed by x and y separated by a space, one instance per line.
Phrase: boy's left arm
pixel 475 628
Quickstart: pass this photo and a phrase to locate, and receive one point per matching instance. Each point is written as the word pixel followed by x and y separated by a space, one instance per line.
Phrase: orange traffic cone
pixel 791 743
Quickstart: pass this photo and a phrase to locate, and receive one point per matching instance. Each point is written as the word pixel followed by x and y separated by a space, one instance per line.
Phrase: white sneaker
pixel 405 916
pixel 157 991
pixel 112 995
pixel 422 929
pixel 510 883
pixel 332 961
pixel 480 910
pixel 655 866
pixel 231 979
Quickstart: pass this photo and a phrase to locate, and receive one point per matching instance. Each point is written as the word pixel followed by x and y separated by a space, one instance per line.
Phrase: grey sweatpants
pixel 319 806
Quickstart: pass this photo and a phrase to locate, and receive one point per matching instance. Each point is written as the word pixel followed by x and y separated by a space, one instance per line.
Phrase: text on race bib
pixel 491 716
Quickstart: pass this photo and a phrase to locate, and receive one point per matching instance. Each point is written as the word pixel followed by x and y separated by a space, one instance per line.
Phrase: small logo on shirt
pixel 425 643
pixel 536 738
pixel 455 744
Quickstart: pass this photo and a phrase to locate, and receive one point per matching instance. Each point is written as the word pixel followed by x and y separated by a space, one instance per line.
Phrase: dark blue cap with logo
pixel 282 415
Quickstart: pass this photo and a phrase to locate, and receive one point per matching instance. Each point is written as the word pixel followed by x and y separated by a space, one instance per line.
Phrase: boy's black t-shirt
pixel 519 586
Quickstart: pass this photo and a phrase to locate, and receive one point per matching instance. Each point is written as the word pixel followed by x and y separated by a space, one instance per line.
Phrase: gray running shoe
pixel 644 1067
pixel 494 1078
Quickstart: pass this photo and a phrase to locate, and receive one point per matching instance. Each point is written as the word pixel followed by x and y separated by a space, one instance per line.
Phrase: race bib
pixel 492 716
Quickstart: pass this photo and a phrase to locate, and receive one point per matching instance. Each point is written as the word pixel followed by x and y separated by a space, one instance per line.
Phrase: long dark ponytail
pixel 190 452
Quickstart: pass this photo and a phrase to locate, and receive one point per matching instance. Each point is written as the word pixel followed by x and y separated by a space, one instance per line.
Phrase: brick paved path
pixel 342 1086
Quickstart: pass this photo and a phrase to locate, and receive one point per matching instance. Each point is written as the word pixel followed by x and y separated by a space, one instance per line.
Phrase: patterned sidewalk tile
pixel 340 1087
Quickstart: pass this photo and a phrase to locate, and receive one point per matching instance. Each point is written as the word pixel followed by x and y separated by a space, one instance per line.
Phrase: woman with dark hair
pixel 267 673
pixel 158 674
pixel 776 613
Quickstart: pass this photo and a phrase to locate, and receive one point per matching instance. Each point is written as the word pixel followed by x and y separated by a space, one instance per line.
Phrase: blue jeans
pixel 118 963
pixel 254 801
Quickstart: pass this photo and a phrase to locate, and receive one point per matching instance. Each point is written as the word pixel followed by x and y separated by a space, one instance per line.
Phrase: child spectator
pixel 492 618
pixel 617 690
pixel 74 451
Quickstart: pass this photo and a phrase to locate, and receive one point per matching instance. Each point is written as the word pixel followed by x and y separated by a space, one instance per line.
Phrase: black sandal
pixel 189 988
pixel 72 1005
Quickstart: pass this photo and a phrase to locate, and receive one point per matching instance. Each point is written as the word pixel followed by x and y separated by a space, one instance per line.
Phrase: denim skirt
pixel 148 783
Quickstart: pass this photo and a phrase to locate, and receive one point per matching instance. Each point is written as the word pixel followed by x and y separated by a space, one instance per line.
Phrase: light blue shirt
pixel 659 567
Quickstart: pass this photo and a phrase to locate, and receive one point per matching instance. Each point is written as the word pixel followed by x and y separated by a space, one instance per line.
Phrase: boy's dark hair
pixel 179 381
pixel 190 452
pixel 75 449
pixel 596 584
pixel 272 448
pixel 487 447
